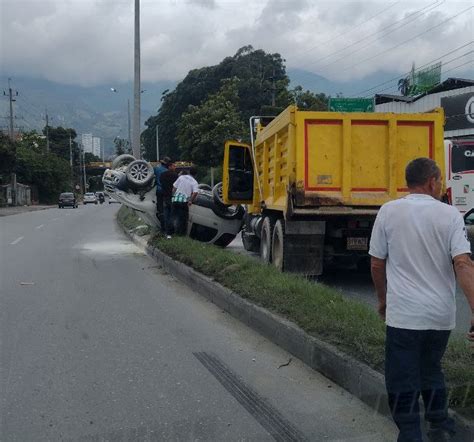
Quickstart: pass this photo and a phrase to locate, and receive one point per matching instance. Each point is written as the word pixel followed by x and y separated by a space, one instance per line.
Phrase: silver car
pixel 90 198
pixel 132 182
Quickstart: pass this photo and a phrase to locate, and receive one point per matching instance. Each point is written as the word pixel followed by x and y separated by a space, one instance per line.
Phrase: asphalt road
pixel 97 343
pixel 358 286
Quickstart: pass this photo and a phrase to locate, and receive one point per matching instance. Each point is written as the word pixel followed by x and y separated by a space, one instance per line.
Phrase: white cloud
pixel 90 42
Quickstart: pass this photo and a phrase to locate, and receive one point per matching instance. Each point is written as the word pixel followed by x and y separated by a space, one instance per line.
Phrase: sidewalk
pixel 15 210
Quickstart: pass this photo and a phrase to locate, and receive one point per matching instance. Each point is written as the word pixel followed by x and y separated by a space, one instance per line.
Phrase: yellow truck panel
pixel 341 159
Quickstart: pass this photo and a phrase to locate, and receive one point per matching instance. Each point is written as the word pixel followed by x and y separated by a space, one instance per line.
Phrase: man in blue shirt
pixel 159 169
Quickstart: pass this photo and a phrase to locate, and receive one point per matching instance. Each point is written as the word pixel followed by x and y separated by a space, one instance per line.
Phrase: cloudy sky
pixel 90 42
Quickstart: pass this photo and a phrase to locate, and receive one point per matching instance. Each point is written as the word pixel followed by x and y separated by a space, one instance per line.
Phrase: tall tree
pixel 204 129
pixel 307 100
pixel 262 84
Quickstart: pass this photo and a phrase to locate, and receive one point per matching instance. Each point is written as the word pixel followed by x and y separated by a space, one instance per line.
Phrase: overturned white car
pixel 132 182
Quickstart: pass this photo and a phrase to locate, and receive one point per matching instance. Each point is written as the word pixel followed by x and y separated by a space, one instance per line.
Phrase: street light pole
pixel 137 89
pixel 129 124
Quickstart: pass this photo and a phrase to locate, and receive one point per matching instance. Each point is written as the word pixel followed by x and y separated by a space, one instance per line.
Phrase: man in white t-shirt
pixel 185 190
pixel 418 248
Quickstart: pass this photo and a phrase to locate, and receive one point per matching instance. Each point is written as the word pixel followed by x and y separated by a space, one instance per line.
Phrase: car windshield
pixel 67 195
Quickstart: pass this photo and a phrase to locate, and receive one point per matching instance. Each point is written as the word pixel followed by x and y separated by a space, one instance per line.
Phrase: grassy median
pixel 351 326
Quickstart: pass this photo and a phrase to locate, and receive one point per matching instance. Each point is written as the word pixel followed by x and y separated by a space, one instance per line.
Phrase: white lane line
pixel 17 240
pixel 55 219
pixel 40 226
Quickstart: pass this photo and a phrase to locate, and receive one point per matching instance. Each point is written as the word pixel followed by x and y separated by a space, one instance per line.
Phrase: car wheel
pixel 218 195
pixel 122 160
pixel 139 173
pixel 59 207
pixel 278 245
pixel 266 240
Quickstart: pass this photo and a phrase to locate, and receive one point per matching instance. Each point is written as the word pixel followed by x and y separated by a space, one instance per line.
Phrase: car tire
pixel 217 195
pixel 139 174
pixel 59 207
pixel 122 160
pixel 266 240
pixel 206 187
pixel 278 245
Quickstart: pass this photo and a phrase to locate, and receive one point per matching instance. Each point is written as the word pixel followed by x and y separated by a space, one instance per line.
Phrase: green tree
pixel 204 129
pixel 7 157
pixel 91 158
pixel 307 100
pixel 48 172
pixel 262 84
pixel 121 146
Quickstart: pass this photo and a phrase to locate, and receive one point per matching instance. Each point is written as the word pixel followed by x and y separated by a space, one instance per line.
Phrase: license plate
pixel 357 243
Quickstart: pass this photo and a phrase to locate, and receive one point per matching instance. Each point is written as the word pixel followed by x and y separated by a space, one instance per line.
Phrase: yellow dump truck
pixel 314 181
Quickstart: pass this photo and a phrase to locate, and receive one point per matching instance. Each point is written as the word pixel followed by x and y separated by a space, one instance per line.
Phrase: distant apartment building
pixel 87 143
pixel 96 146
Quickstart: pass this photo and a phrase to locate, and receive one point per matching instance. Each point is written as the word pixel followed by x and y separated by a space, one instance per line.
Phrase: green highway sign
pixel 351 105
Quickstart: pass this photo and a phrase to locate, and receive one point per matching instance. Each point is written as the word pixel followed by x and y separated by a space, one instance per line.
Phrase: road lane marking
pixel 54 219
pixel 17 240
pixel 40 226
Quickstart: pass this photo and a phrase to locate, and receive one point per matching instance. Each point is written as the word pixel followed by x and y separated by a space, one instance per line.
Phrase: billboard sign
pixel 459 111
pixel 424 79
pixel 351 104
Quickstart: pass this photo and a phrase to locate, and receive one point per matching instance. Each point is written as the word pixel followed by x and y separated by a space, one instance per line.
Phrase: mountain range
pixel 103 112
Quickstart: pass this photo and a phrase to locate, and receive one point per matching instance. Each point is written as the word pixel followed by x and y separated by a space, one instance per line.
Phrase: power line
pixel 404 75
pixel 383 35
pixel 382 31
pixel 410 39
pixel 345 33
pixel 417 70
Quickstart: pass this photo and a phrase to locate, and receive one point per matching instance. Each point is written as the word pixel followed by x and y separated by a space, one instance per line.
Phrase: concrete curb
pixel 355 377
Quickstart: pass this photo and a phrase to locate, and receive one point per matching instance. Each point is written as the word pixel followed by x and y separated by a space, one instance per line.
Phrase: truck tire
pixel 278 245
pixel 139 174
pixel 266 240
pixel 251 242
pixel 122 160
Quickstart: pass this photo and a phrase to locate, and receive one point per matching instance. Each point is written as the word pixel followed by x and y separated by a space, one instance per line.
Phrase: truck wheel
pixel 251 242
pixel 266 240
pixel 278 245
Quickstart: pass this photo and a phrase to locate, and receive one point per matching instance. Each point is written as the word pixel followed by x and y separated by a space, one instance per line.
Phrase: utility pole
pixel 157 144
pixel 273 89
pixel 11 100
pixel 47 130
pixel 70 162
pixel 84 168
pixel 137 89
pixel 129 125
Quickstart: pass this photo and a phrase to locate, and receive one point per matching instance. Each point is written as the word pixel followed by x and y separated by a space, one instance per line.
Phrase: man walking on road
pixel 419 247
pixel 167 180
pixel 185 191
pixel 159 169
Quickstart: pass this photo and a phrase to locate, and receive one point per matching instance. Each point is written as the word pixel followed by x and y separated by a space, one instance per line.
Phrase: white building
pixel 454 95
pixel 96 147
pixel 87 143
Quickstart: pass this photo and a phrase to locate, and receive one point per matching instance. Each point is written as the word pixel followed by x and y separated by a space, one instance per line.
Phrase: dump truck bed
pixel 318 160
